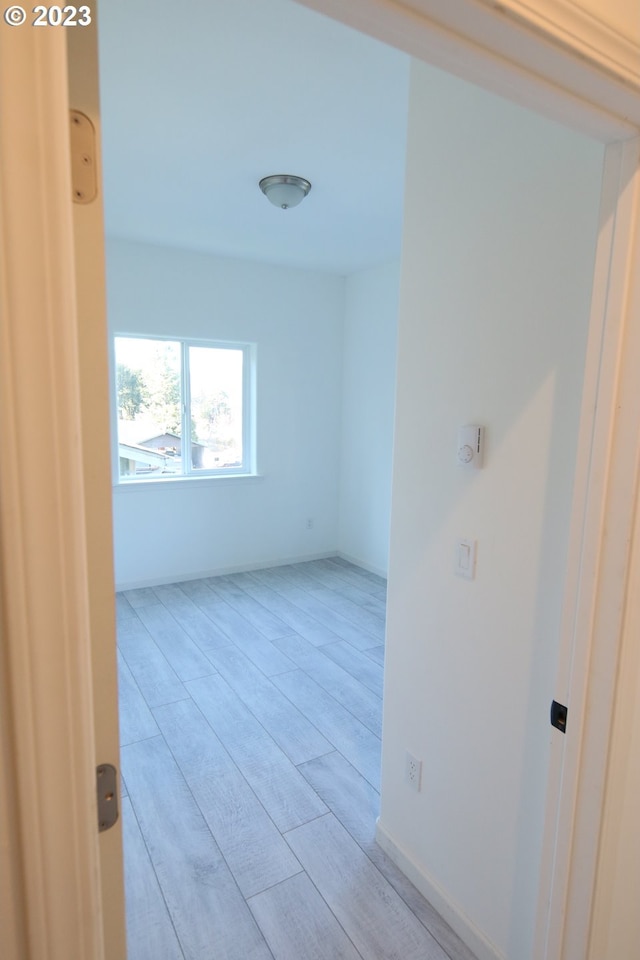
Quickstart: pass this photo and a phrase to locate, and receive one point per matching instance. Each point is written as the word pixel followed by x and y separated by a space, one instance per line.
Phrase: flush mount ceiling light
pixel 284 190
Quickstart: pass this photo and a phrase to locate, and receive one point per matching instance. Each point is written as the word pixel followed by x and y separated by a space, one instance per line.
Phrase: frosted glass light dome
pixel 284 190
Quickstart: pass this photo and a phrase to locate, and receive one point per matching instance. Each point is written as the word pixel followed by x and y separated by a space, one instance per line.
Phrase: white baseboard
pixel 431 891
pixel 221 571
pixel 361 563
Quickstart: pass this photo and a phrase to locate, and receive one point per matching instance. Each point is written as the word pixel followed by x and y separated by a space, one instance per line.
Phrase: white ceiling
pixel 202 99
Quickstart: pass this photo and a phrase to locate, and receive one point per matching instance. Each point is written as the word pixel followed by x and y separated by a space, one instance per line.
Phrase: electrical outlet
pixel 413 771
pixel 309 523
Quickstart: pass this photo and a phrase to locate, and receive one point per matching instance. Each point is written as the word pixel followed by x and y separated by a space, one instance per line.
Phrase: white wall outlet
pixel 309 523
pixel 413 772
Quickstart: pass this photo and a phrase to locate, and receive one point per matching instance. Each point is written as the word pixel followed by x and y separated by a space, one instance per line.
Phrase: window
pixel 183 408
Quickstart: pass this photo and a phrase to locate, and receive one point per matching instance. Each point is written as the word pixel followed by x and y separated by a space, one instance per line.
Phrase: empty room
pixel 502 823
pixel 251 575
pixel 432 273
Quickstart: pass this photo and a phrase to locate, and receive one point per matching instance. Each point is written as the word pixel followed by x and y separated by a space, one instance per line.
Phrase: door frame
pixel 46 672
pixel 599 551
pixel 50 880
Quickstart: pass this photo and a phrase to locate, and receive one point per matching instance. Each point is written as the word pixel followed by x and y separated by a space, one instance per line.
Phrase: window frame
pixel 247 468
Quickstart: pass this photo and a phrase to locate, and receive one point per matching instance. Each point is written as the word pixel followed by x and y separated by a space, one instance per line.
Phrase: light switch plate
pixel 465 560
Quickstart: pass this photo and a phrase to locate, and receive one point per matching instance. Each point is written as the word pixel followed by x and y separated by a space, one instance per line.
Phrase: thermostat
pixel 470 445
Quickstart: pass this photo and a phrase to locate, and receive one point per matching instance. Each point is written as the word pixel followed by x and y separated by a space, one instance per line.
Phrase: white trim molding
pixel 224 571
pixel 484 42
pixel 587 677
pixel 457 919
pixel 93 374
pixel 603 505
pixel 615 923
pixel 43 581
pixel 578 30
pixel 371 568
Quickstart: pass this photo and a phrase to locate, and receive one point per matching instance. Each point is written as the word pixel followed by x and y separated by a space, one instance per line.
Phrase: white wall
pixel 181 530
pixel 368 395
pixel 500 228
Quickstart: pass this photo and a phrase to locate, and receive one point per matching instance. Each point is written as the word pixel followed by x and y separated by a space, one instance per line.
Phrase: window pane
pixel 216 408
pixel 149 407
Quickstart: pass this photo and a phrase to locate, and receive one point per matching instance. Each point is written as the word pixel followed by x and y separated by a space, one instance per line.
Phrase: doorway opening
pixel 605 499
pixel 294 652
pixel 547 402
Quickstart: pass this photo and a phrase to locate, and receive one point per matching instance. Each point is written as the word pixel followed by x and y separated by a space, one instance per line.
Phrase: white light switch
pixel 465 564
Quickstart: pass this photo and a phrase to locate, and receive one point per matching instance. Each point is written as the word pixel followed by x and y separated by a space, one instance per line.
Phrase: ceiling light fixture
pixel 284 190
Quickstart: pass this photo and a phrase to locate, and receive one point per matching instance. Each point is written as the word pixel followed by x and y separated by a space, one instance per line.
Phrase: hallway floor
pixel 250 725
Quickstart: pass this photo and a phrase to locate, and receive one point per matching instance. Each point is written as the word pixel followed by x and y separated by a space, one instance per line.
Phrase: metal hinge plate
pixel 84 182
pixel 106 783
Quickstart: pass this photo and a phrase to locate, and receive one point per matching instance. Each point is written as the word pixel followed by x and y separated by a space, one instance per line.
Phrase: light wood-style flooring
pixel 250 724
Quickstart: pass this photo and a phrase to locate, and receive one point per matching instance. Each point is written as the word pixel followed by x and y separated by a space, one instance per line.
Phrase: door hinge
pixel 106 784
pixel 559 716
pixel 84 182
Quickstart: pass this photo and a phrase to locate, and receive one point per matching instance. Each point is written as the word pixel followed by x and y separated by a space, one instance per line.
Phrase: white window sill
pixel 140 486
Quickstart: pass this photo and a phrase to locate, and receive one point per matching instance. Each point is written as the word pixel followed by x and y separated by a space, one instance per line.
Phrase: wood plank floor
pixel 250 713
